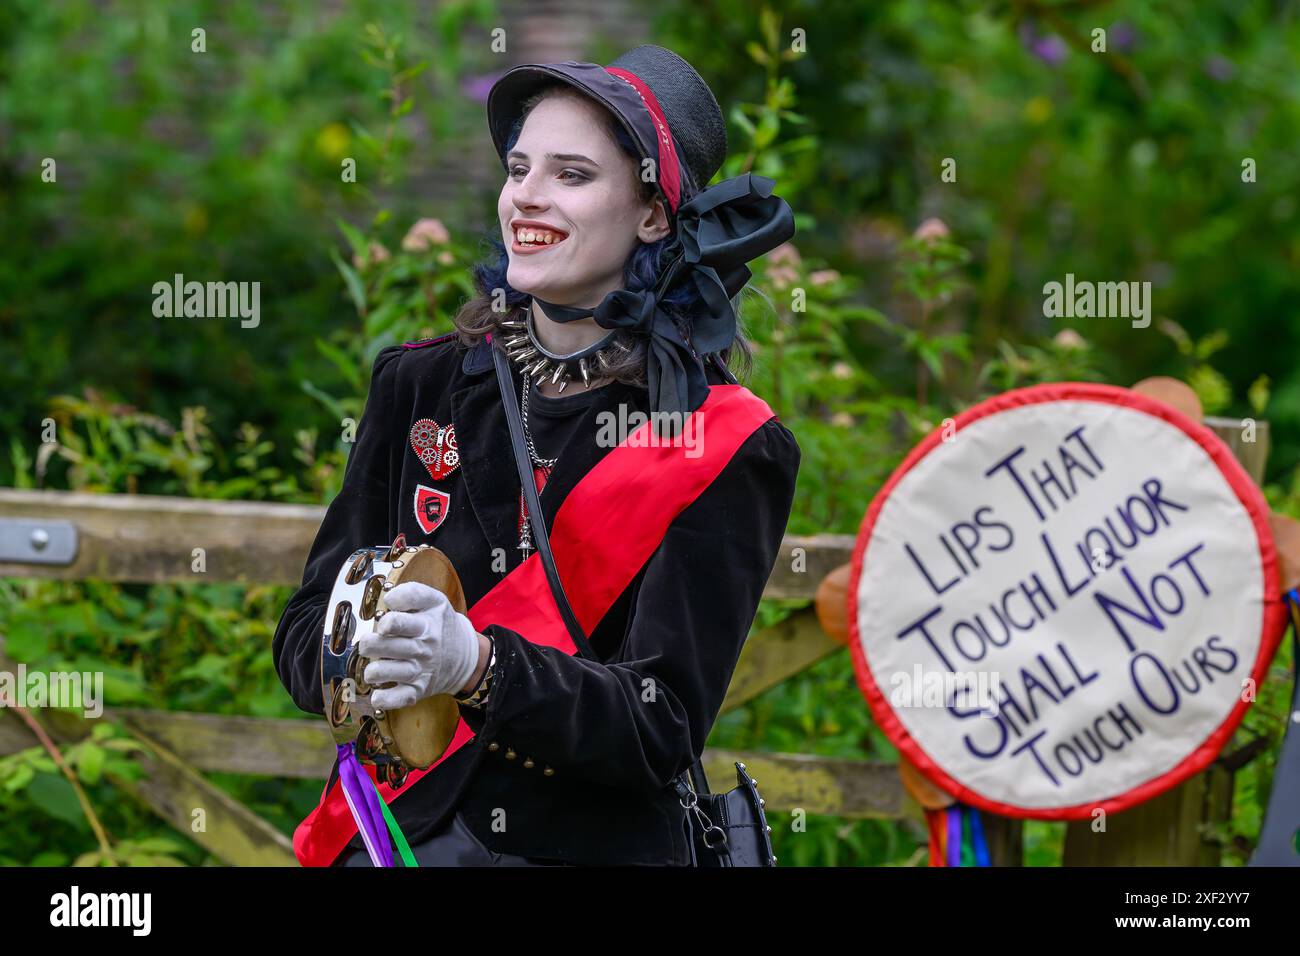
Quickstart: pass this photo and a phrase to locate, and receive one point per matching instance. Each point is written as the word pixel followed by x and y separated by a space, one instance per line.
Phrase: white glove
pixel 422 644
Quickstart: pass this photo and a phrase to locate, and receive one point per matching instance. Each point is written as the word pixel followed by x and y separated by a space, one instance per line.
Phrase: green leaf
pixel 27 642
pixel 356 289
pixel 354 237
pixel 768 126
pixel 209 667
pixel 329 401
pixel 17 778
pixel 1211 388
pixel 54 796
pixel 90 762
pixel 347 365
pixel 412 71
pixel 740 119
pixel 1211 344
pixel 1258 395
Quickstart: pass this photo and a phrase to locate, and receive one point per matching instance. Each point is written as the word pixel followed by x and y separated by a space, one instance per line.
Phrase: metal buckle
pixel 710 832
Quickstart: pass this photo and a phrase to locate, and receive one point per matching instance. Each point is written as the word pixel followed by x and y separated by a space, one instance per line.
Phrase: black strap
pixel 537 524
pixel 536 520
pixel 722 367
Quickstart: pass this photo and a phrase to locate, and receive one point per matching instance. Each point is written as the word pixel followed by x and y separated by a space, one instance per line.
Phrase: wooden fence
pixel 144 538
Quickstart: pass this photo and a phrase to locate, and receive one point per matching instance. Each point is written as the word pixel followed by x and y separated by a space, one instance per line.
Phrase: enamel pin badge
pixel 431 506
pixel 435 446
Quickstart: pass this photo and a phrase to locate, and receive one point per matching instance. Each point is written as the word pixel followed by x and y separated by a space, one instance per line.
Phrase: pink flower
pixel 784 253
pixel 376 254
pixel 823 276
pixel 424 233
pixel 783 265
pixel 931 230
pixel 782 276
pixel 1069 339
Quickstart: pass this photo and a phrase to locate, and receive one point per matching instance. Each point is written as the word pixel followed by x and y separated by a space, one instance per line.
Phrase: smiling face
pixel 571 195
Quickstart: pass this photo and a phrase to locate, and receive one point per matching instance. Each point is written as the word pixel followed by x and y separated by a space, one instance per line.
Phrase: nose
pixel 528 192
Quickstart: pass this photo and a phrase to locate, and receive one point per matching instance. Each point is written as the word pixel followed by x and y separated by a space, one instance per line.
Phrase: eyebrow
pixel 562 157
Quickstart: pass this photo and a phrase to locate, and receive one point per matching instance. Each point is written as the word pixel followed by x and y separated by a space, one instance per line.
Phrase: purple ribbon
pixel 954 835
pixel 363 801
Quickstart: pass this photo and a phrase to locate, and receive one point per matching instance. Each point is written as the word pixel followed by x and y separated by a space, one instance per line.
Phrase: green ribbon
pixel 399 838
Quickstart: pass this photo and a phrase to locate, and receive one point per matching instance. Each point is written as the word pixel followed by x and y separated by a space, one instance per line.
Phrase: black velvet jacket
pixel 611 746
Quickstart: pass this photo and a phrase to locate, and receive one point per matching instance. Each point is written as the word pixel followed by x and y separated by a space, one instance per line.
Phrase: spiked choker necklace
pixel 539 363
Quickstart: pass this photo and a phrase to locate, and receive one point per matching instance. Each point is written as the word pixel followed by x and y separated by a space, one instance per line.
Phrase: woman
pixel 611 297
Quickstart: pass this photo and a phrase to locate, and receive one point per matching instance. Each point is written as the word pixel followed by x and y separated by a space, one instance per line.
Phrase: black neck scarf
pixel 719 230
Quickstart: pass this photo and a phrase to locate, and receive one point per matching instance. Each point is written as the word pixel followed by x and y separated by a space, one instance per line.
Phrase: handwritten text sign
pixel 1065 602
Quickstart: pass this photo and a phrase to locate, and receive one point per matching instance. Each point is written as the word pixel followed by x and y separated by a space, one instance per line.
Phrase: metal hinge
pixel 37 541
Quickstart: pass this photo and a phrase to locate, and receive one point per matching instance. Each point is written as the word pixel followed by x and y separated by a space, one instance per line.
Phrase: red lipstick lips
pixel 524 225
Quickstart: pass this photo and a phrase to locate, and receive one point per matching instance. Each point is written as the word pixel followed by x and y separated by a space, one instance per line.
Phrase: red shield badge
pixel 431 507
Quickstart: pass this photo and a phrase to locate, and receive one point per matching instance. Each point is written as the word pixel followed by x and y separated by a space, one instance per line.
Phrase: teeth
pixel 536 237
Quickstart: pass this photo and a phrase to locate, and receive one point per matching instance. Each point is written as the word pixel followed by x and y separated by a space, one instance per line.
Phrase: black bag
pixel 725 829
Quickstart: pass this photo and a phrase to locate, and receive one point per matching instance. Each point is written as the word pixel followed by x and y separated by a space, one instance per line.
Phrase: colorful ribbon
pixel 953 856
pixel 957 837
pixel 979 848
pixel 367 809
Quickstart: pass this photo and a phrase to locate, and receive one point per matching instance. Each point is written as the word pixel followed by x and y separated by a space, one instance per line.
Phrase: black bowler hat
pixel 666 107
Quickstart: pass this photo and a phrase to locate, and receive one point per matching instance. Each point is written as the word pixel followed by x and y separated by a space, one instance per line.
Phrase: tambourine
pixel 395 741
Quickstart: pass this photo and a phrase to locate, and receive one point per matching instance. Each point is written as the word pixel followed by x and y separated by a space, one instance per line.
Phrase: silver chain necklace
pixel 528 435
pixel 525 523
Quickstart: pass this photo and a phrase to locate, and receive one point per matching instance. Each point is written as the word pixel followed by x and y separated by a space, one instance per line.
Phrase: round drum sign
pixel 1063 600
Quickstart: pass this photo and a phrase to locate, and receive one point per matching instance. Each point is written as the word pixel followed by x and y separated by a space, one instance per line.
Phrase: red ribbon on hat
pixel 670 174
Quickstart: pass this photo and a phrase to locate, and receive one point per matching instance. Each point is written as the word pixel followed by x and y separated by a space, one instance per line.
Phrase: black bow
pixel 719 230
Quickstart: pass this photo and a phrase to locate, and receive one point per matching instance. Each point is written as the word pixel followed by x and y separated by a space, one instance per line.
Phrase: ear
pixel 654 225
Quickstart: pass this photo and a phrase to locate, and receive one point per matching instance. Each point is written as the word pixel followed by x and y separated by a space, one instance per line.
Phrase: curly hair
pixel 626 360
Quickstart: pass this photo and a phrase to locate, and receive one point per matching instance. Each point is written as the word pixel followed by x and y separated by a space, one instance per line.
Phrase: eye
pixel 515 169
pixel 578 177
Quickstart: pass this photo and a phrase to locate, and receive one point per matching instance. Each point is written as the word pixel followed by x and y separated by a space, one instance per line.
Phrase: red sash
pixel 626 490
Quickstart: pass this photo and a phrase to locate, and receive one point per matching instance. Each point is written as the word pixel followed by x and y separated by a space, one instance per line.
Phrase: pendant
pixel 540 475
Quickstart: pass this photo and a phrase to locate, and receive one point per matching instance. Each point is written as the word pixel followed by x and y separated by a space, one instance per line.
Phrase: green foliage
pixel 220 165
pixel 109 447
